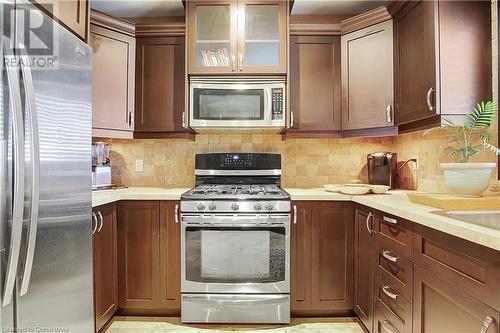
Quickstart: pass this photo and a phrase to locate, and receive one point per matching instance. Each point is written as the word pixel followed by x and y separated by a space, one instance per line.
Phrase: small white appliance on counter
pixel 237 103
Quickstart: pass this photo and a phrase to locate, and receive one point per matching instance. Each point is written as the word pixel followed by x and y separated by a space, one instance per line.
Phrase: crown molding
pixel 364 20
pixel 110 22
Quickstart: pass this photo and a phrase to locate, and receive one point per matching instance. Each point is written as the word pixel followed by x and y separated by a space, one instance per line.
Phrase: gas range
pixel 235 241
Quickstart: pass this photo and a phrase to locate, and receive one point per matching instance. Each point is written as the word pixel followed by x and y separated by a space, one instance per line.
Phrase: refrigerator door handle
pixel 35 170
pixel 18 177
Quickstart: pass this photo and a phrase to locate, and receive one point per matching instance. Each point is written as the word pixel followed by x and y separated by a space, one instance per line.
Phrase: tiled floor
pixel 173 325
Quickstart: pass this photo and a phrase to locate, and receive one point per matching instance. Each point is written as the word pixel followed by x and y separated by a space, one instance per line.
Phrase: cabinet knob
pixel 235 206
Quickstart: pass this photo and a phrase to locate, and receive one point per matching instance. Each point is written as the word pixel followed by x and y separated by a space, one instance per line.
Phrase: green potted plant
pixel 473 137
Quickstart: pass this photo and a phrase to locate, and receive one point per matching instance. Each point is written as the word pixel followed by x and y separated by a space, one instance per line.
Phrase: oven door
pixel 233 105
pixel 243 253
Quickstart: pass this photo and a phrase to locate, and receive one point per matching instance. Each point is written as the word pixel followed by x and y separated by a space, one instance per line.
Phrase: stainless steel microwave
pixel 237 103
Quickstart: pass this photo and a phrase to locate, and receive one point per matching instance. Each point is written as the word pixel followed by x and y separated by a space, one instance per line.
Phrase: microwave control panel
pixel 277 100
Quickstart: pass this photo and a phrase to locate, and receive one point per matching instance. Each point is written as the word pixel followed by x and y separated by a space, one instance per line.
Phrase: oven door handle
pixel 235 225
pixel 271 299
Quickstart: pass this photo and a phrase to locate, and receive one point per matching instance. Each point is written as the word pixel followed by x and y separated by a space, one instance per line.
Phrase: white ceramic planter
pixel 467 179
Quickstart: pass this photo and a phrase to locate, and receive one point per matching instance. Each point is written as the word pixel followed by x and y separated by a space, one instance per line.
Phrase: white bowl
pixel 332 188
pixel 467 179
pixel 351 190
pixel 379 189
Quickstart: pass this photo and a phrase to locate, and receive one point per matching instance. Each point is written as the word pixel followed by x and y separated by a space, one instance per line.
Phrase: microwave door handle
pixel 268 116
pixel 18 174
pixel 35 172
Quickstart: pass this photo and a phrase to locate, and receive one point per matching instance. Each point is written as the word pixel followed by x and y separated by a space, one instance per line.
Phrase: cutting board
pixel 453 202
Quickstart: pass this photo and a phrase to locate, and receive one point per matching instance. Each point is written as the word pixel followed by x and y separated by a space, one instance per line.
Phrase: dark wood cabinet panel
pixel 138 248
pixel 439 307
pixel 332 247
pixel 443 54
pixel 160 87
pixel 300 252
pixel 105 264
pixel 322 261
pixel 113 83
pixel 367 77
pixel 416 61
pixel 73 14
pixel 363 267
pixel 315 91
pixel 170 256
pixel 472 268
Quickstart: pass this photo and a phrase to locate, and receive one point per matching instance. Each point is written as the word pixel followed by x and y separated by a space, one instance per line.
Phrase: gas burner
pixel 236 192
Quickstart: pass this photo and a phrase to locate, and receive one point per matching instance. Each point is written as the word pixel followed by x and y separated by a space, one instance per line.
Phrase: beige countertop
pixel 395 203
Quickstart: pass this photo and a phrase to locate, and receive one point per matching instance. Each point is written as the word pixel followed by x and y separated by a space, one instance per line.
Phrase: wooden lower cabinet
pixel 148 248
pixel 363 266
pixel 322 261
pixel 439 307
pixel 105 264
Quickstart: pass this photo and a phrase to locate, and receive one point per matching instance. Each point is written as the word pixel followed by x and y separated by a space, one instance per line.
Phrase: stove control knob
pixel 269 207
pixel 235 206
pixel 212 206
pixel 257 206
pixel 200 206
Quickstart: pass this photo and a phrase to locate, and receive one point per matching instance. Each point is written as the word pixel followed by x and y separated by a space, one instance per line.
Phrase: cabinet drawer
pixel 394 269
pixel 386 322
pixel 397 309
pixel 472 268
pixel 397 231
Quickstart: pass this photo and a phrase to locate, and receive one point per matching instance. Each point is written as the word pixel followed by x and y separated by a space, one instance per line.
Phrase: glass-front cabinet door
pixel 212 36
pixel 231 36
pixel 262 36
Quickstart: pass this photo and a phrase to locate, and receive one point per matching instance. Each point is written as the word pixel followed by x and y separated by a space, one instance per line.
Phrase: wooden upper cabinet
pixel 212 30
pixel 232 37
pixel 315 86
pixel 105 264
pixel 113 83
pixel 160 87
pixel 367 77
pixel 73 14
pixel 416 61
pixel 439 307
pixel 262 36
pixel 443 61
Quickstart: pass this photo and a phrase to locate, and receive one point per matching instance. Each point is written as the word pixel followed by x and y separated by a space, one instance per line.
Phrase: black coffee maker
pixel 382 168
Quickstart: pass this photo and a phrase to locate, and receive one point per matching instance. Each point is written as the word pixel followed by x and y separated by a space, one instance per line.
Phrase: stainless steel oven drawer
pixel 231 308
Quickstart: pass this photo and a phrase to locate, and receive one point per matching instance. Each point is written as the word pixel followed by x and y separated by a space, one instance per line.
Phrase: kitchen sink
pixel 489 218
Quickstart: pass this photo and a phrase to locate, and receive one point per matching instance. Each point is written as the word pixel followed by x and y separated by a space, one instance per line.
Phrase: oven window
pixel 235 255
pixel 228 104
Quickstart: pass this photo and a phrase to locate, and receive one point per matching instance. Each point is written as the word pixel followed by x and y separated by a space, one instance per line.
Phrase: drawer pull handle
pixel 391 257
pixel 390 220
pixel 388 327
pixel 486 324
pixel 386 291
pixel 368 227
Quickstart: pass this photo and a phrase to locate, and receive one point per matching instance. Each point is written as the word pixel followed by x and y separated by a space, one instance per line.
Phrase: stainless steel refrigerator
pixel 45 175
